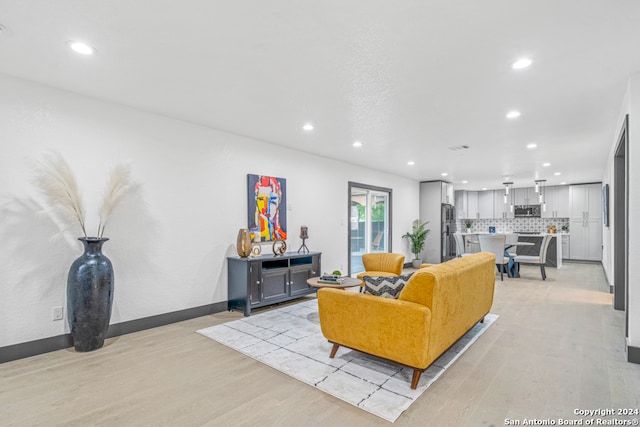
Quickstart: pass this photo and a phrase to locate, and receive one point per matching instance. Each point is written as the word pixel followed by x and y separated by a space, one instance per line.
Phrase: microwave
pixel 527 211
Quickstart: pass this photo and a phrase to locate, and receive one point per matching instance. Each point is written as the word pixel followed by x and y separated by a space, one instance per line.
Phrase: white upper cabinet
pixel 502 210
pixel 486 205
pixel 460 199
pixel 557 202
pixel 447 193
pixel 525 196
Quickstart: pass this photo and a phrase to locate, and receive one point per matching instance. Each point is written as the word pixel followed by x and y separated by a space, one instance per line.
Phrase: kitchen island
pixel 554 251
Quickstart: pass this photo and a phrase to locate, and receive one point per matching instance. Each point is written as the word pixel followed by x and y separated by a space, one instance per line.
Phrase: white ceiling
pixel 408 79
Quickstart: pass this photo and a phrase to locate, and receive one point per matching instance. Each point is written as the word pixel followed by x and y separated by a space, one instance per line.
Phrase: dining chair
pixel 460 250
pixel 494 243
pixel 511 239
pixel 540 259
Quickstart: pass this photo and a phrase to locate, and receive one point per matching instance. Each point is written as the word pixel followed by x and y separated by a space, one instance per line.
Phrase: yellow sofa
pixel 382 264
pixel 436 307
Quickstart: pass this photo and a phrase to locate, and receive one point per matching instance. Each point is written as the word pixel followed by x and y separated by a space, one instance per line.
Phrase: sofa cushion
pixel 385 286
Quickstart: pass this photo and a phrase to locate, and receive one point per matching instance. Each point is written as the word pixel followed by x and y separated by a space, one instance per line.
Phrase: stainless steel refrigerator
pixel 448 227
pixel 441 218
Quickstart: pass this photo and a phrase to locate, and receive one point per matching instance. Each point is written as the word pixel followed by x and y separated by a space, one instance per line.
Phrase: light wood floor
pixel 557 346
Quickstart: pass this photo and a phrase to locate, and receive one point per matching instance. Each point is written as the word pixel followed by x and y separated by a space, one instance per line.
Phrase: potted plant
pixel 469 224
pixel 417 237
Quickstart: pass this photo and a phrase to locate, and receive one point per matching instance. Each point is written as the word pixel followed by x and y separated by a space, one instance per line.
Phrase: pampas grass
pixel 117 186
pixel 58 185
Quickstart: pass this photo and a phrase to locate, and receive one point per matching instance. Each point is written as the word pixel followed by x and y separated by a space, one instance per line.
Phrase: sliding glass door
pixel 369 222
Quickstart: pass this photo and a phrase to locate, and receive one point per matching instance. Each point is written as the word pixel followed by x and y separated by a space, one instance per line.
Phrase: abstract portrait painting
pixel 267 201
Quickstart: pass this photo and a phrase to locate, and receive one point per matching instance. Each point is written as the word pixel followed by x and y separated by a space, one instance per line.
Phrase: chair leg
pixel 544 273
pixel 501 274
pixel 334 350
pixel 416 378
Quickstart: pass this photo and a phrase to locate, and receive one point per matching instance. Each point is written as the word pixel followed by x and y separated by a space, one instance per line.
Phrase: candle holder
pixel 304 235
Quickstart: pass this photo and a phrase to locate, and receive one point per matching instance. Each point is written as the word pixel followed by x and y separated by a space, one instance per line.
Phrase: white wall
pixel 631 106
pixel 169 244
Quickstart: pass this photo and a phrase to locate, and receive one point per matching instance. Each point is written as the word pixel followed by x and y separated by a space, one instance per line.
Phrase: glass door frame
pixel 388 218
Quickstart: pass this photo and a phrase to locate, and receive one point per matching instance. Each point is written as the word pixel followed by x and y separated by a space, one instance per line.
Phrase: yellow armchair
pixel 382 264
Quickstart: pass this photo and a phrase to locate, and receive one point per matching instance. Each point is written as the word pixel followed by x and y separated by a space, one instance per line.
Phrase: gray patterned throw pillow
pixel 387 287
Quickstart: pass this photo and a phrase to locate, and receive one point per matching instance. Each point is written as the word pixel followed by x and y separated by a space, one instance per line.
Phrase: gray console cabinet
pixel 268 279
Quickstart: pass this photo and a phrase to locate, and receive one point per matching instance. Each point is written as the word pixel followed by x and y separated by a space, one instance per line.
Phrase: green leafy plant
pixel 469 224
pixel 417 236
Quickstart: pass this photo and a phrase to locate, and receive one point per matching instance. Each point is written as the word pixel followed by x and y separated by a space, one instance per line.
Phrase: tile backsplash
pixel 513 225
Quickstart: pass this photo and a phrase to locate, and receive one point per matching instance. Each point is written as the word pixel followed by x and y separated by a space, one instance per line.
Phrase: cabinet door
pixel 566 253
pixel 472 204
pixel 578 202
pixel 501 209
pixel 447 193
pixel 274 284
pixel 485 205
pixel 521 196
pixel 561 202
pixel 594 201
pixel 298 279
pixel 548 209
pixel 578 239
pixel 594 237
pixel 255 283
pixel 461 204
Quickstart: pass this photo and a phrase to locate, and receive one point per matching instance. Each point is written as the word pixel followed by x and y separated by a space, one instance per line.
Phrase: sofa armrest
pixel 388 328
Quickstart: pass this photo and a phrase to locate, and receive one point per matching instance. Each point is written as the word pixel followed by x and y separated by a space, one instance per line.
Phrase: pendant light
pixel 540 184
pixel 507 185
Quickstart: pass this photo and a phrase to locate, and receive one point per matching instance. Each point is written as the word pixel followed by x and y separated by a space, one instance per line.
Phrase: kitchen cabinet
pixel 474 205
pixel 525 196
pixel 485 205
pixel 258 281
pixel 447 193
pixel 585 222
pixel 501 209
pixel 460 198
pixel 565 246
pixel 557 202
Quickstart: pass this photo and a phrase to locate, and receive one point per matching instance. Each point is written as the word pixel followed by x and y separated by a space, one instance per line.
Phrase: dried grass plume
pixel 58 185
pixel 118 185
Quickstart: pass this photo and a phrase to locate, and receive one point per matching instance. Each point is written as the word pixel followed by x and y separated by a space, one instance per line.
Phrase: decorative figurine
pixel 279 247
pixel 304 235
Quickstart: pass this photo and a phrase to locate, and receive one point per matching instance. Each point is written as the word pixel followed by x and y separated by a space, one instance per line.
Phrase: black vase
pixel 90 296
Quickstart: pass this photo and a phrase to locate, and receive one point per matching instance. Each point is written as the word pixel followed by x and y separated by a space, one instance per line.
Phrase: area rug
pixel 289 339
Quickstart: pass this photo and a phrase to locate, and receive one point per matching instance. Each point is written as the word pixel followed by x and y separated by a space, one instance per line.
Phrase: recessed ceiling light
pixel 532 145
pixel 411 163
pixel 484 188
pixel 557 173
pixel 82 48
pixel 521 63
pixel 563 183
pixel 513 114
pixel 307 127
pixel 465 182
pixel 546 165
pixel 357 144
pixel 444 174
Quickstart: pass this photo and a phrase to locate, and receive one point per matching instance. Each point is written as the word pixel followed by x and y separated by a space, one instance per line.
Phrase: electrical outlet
pixel 57 313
